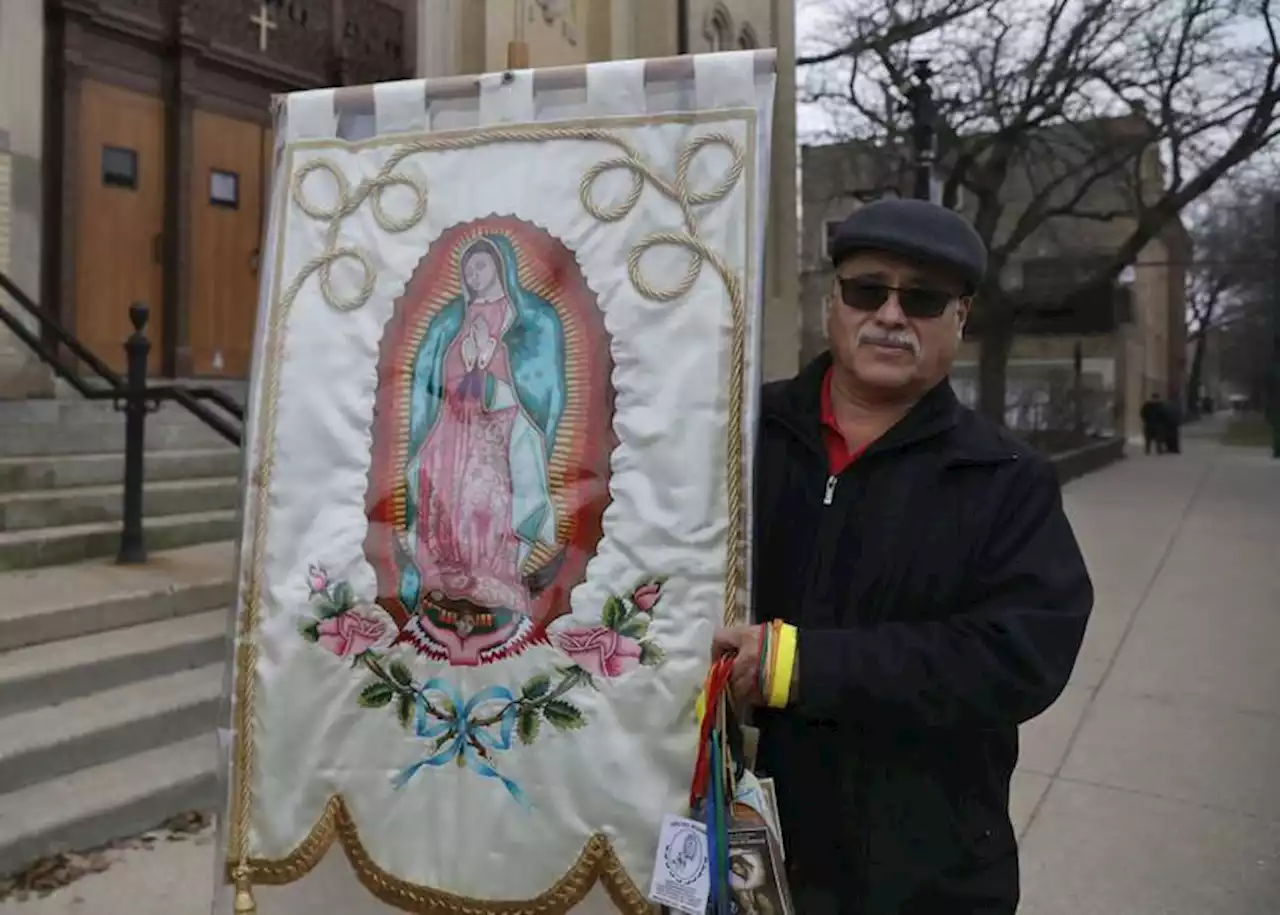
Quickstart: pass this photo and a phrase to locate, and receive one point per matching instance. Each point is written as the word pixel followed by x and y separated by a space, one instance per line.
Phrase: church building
pixel 136 142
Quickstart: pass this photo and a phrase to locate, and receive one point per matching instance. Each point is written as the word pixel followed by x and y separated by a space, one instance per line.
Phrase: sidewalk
pixel 1151 788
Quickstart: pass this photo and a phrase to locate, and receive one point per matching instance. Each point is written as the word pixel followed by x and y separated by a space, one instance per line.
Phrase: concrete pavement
pixel 1151 788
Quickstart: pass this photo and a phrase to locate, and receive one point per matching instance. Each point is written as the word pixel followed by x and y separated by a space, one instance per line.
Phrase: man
pixel 1154 425
pixel 1173 426
pixel 937 593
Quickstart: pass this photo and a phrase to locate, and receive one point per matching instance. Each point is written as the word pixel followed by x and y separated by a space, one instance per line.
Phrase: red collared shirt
pixel 839 454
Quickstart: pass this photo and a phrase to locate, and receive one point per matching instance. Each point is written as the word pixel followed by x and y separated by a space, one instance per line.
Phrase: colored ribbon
pixel 460 738
pixel 718 828
pixel 713 856
pixel 713 689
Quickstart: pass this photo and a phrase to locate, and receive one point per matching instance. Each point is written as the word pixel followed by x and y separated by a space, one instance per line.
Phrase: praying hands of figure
pixel 478 346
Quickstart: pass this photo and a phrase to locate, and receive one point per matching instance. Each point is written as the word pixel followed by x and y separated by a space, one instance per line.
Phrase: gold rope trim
pixel 597 861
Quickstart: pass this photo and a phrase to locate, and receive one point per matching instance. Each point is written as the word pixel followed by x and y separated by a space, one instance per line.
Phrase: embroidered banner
pixel 497 490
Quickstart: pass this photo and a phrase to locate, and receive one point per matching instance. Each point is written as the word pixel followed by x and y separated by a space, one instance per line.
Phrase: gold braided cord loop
pixel 597 860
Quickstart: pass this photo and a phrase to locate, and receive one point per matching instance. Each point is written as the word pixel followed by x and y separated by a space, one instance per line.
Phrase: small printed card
pixel 757 880
pixel 771 813
pixel 681 876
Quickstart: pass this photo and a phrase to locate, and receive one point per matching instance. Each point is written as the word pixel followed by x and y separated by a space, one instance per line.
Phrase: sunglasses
pixel 870 295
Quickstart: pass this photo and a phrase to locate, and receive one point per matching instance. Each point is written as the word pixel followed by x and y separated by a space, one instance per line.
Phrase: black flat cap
pixel 916 229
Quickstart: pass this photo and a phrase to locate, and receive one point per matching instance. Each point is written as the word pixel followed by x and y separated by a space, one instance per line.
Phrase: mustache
pixel 900 338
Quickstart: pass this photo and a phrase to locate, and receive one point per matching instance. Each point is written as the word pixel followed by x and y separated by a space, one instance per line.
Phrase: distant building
pixel 1131 344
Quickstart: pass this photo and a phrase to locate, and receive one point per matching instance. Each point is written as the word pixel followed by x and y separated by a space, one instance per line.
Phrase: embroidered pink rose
pixel 318 580
pixel 352 633
pixel 600 651
pixel 646 595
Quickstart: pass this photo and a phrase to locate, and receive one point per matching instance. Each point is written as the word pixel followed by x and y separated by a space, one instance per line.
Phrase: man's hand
pixel 745 642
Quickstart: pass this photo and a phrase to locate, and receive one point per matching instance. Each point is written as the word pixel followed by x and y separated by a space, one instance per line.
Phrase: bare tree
pixel 1231 288
pixel 1058 115
pixel 1205 292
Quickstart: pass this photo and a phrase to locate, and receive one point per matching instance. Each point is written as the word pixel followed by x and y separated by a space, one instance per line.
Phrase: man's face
pixel 895 325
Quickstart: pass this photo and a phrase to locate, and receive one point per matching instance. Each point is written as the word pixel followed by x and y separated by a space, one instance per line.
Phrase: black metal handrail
pixel 133 395
pixel 114 386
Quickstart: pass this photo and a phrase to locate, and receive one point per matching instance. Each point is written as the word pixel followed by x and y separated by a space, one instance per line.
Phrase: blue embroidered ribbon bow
pixel 462 739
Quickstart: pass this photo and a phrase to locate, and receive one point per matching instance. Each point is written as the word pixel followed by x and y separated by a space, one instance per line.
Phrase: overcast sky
pixel 808 15
pixel 810 20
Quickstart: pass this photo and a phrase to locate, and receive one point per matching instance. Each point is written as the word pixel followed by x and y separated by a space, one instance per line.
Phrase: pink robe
pixel 466 546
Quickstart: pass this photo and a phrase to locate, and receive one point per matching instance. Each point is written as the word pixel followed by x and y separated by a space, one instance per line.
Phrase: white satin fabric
pixel 631 762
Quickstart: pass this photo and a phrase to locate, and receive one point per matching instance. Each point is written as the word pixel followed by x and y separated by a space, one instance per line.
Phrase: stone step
pixel 102 435
pixel 237 389
pixel 49 742
pixel 94 806
pixel 56 472
pixel 50 546
pixel 26 511
pixel 55 672
pixel 76 409
pixel 65 602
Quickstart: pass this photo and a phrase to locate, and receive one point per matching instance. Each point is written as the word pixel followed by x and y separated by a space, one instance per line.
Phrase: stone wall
pixel 21 82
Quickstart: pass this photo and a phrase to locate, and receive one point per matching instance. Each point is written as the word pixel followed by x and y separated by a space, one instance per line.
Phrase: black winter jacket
pixel 941 600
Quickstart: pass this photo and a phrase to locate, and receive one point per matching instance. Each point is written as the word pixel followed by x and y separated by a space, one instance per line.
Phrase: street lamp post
pixel 924 115
pixel 1274 397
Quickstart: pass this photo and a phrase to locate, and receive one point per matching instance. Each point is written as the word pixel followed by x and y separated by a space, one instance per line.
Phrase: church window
pixel 120 167
pixel 720 30
pixel 830 228
pixel 224 189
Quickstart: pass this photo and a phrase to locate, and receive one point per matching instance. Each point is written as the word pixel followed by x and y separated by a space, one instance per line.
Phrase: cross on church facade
pixel 265 26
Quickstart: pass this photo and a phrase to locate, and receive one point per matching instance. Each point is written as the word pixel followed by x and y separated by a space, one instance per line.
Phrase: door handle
pixel 255 259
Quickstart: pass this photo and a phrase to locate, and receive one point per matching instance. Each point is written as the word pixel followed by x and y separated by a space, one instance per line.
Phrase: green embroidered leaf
pixel 401 673
pixel 614 612
pixel 563 716
pixel 574 677
pixel 376 695
pixel 637 627
pixel 310 630
pixel 327 608
pixel 404 709
pixel 536 686
pixel 651 654
pixel 343 596
pixel 528 724
pixel 447 708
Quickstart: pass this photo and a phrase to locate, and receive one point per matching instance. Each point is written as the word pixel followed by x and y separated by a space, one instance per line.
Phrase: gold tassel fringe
pixel 244 904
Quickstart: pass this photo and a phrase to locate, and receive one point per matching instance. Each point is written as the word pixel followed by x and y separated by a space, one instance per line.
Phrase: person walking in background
pixel 1173 427
pixel 1155 423
pixel 926 591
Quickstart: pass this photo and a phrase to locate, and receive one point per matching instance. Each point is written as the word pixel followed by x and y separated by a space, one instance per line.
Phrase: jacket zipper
pixel 829 494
